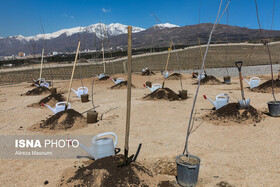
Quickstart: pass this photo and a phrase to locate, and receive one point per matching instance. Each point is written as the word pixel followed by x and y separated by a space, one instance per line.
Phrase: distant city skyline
pixel 29 18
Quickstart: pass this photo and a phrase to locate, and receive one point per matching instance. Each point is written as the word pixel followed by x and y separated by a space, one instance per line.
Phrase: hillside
pixel 156 36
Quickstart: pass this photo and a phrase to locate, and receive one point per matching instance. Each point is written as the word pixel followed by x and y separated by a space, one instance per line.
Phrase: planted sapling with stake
pixel 187 164
pixel 273 106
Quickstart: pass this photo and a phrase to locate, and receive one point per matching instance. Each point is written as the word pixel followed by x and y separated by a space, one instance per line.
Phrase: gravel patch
pixel 246 70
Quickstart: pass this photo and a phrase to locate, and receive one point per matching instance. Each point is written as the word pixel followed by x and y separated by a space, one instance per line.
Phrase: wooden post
pixel 128 109
pixel 168 57
pixel 42 59
pixel 70 85
pixel 124 67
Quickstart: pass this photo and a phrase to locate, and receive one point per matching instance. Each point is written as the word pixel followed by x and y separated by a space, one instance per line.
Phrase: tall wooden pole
pixel 168 57
pixel 70 85
pixel 42 60
pixel 128 109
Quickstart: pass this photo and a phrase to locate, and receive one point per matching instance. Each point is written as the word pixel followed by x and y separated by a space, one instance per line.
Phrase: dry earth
pixel 238 154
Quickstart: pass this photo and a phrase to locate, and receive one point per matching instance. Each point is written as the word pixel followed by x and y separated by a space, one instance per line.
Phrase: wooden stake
pixel 42 59
pixel 124 67
pixel 70 85
pixel 128 109
pixel 168 57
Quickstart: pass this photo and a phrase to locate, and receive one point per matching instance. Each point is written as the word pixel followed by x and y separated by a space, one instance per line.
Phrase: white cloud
pixel 106 10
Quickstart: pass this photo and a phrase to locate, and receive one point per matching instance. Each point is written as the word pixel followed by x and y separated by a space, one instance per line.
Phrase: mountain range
pixel 113 36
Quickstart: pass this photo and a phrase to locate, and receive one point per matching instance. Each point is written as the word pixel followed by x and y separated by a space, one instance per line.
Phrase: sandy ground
pixel 242 155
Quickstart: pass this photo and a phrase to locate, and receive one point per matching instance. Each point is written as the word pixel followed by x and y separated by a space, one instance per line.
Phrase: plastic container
pixel 187 175
pixel 183 94
pixel 84 98
pixel 274 108
pixel 92 117
pixel 227 80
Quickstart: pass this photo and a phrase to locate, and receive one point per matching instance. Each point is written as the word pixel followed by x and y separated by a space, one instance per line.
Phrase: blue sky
pixel 23 17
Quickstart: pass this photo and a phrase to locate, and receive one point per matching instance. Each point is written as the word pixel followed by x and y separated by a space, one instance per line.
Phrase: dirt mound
pixel 64 120
pixel 165 166
pixel 38 91
pixel 175 76
pixel 224 184
pixel 230 113
pixel 51 100
pixel 105 172
pixel 147 72
pixel 266 87
pixel 209 80
pixel 167 184
pixel 163 93
pixel 121 85
pixel 104 78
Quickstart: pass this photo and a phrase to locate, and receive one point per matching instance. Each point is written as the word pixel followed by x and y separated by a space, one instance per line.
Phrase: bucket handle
pixel 106 134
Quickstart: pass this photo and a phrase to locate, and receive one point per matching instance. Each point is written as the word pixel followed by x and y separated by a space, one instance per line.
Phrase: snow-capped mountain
pixel 165 25
pixel 65 40
pixel 114 29
pixel 100 29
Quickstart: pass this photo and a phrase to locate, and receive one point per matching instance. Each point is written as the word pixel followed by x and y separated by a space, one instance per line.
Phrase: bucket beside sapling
pixel 183 94
pixel 92 117
pixel 274 108
pixel 187 170
pixel 227 79
pixel 84 98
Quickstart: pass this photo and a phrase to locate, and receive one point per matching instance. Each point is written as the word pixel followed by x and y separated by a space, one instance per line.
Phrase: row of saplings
pixel 135 173
pixel 241 112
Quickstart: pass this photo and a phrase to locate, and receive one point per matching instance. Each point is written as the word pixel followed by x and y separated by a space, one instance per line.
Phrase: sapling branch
pixel 268 49
pixel 205 54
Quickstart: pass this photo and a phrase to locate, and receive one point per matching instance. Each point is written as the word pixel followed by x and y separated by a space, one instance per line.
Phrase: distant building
pixel 9 57
pixel 54 53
